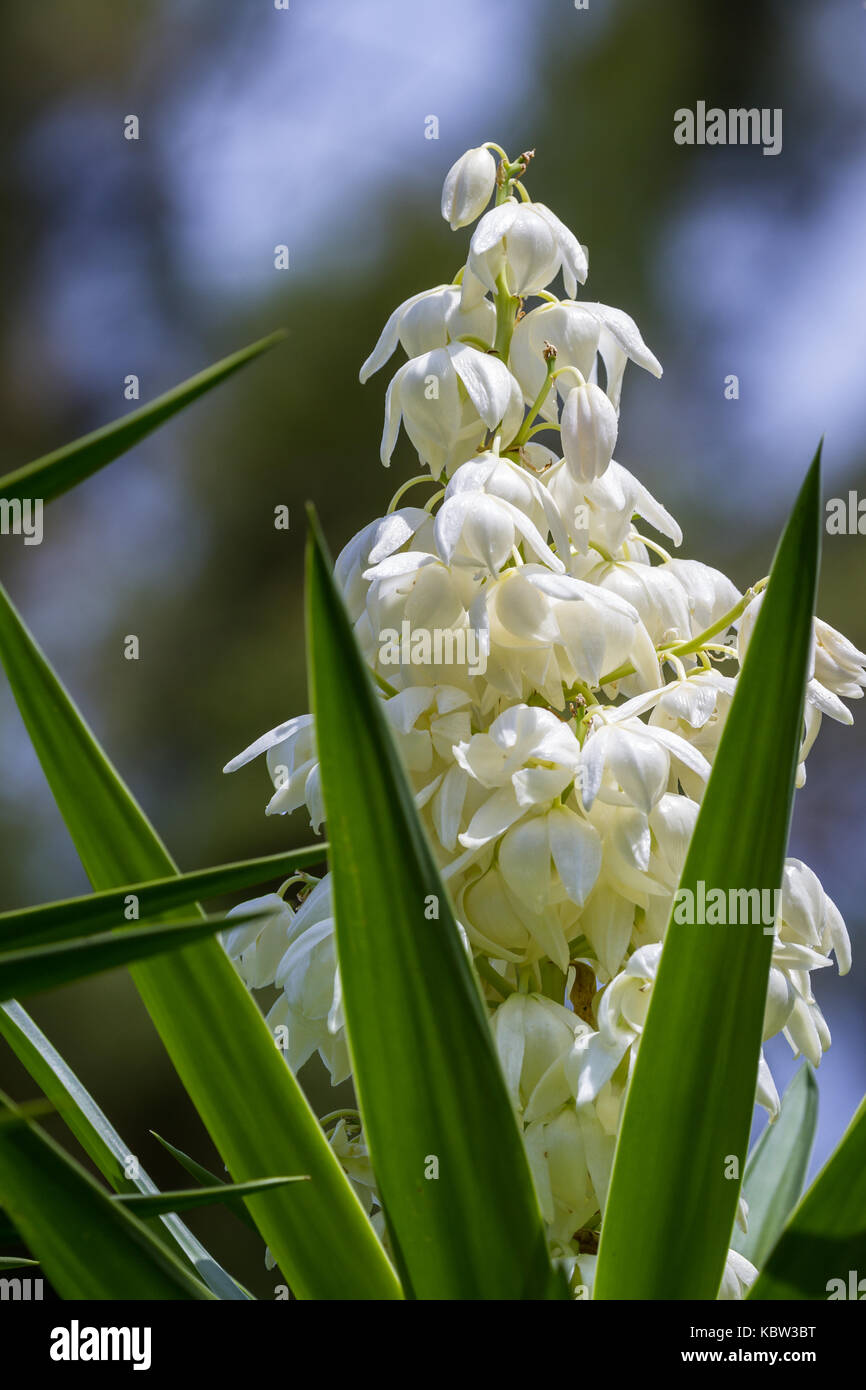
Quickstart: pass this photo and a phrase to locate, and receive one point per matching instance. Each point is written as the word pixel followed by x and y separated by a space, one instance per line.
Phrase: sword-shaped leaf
pixel 95 911
pixel 821 1253
pixel 448 1157
pixel 37 968
pixel 688 1112
pixel 776 1169
pixel 88 1246
pixel 54 473
pixel 100 1140
pixel 245 1094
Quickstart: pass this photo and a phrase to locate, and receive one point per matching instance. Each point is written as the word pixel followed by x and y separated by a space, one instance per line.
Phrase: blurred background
pixel 154 257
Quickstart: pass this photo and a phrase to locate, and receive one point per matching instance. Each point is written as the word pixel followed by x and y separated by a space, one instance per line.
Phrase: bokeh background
pixel 155 257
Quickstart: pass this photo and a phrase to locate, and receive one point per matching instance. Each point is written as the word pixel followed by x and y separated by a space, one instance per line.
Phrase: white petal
pixel 497 813
pixel 270 740
pixel 487 380
pixel 575 266
pixel 627 334
pixel 393 416
pixel 389 337
pixel 576 849
pixel 493 226
pixel 468 185
pixel 524 861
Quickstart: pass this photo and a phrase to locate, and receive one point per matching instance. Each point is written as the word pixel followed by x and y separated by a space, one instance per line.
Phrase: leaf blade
pixel 192 994
pixel 825 1239
pixel 671 1209
pixel 776 1170
pixel 38 968
pixel 146 1205
pixel 87 1245
pixel 206 1178
pixel 99 1139
pixel 52 474
pixel 92 911
pixel 427 1076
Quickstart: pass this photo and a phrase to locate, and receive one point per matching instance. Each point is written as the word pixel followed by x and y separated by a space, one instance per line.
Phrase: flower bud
pixel 468 186
pixel 589 430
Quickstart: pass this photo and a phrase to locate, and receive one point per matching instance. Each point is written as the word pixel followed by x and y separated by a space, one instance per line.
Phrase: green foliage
pixel 688 1112
pixel 55 473
pixel 437 1116
pixel 235 1078
pixel 776 1170
pixel 462 1215
pixel 88 1245
pixel 826 1237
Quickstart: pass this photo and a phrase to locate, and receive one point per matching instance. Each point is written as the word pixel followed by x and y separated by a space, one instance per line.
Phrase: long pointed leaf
pixel 55 473
pixel 822 1251
pixel 206 1178
pixel 88 1246
pixel 671 1205
pixel 222 1194
pixel 777 1166
pixel 93 911
pixel 99 1139
pixel 38 968
pixel 429 1084
pixel 245 1094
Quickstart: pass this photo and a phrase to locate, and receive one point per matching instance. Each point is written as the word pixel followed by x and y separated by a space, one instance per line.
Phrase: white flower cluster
pixel 560 784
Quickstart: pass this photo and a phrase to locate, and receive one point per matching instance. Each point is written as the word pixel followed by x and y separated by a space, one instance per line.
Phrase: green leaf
pixel 15 1262
pixel 78 916
pixel 777 1166
pixel 99 1139
pixel 221 1194
pixel 825 1239
pixel 39 968
pixel 207 1179
pixel 427 1076
pixel 88 1246
pixel 54 473
pixel 224 1053
pixel 671 1208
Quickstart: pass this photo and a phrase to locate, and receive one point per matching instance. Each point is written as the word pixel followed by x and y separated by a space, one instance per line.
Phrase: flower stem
pixel 336 1115
pixel 506 309
pixel 695 644
pixel 383 684
pixel 493 977
pixel 404 487
pixel 522 434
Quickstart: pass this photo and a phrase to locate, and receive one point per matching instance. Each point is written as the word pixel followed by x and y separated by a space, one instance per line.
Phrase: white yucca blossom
pixel 447 399
pixel 468 186
pixel 526 245
pixel 560 785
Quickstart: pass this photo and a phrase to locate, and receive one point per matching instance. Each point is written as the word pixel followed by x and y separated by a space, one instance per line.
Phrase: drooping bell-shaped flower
pixel 529 245
pixel 432 319
pixel 589 430
pixel 468 186
pixel 578 331
pixel 448 399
